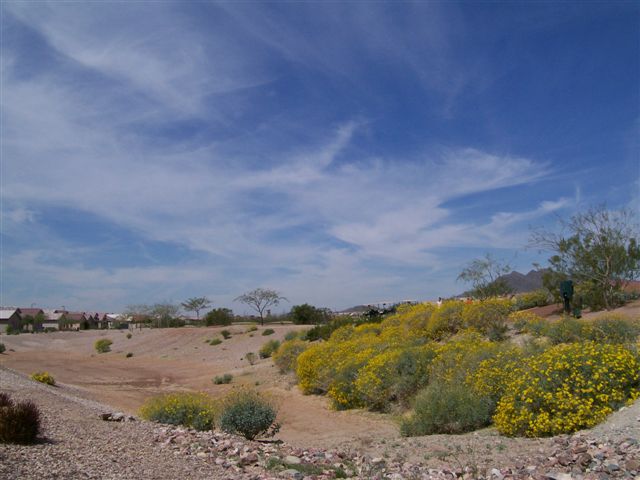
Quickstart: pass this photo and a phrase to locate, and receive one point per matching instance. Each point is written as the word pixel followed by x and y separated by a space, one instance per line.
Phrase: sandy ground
pixel 167 360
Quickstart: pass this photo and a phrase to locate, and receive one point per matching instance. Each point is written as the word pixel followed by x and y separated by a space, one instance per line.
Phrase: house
pixel 101 320
pixel 52 319
pixel 32 319
pixel 73 321
pixel 10 318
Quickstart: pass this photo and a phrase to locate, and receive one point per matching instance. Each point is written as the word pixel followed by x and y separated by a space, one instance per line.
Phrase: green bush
pixel 103 345
pixel 285 357
pixel 223 379
pixel 226 334
pixel 2 348
pixel 19 422
pixel 129 355
pixel 252 328
pixel 394 375
pixel 194 410
pixel 308 315
pixel 269 348
pixel 129 335
pixel 536 298
pixel 446 408
pixel 292 335
pixel 614 328
pixel 219 316
pixel 268 331
pixel 249 414
pixel 43 377
pixel 251 358
pixel 215 341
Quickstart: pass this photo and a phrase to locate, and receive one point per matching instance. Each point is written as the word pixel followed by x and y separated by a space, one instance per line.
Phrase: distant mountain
pixel 524 283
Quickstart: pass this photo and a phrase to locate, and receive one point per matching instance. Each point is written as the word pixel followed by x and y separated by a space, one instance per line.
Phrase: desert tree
pixel 598 249
pixel 196 304
pixel 484 276
pixel 260 300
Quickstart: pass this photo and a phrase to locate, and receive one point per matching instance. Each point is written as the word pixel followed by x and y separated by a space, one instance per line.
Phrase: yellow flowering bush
pixel 494 374
pixel 194 410
pixel 566 388
pixel 43 377
pixel 446 320
pixel 461 355
pixel 528 322
pixel 488 316
pixel 287 355
pixel 394 375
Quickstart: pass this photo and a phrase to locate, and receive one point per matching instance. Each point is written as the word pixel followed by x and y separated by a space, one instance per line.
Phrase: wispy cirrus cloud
pixel 225 146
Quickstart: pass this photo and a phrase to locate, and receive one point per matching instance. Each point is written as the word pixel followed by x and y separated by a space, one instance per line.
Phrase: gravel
pixel 77 443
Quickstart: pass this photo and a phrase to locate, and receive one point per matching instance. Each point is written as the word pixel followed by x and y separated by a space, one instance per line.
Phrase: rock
pixel 378 461
pixel 495 473
pixel 292 460
pixel 558 476
pixel 291 473
pixel 632 464
pixel 248 459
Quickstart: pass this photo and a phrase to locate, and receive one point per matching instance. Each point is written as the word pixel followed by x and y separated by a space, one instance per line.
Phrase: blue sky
pixel 340 153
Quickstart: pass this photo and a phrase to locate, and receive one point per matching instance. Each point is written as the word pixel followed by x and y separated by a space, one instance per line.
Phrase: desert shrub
pixel 292 335
pixel 269 348
pixel 251 358
pixel 536 298
pixel 2 348
pixel 394 375
pixel 194 410
pixel 614 328
pixel 286 355
pixel 446 320
pixel 268 331
pixel 567 388
pixel 103 345
pixel 492 376
pixel 215 341
pixel 129 355
pixel 567 330
pixel 43 377
pixel 444 407
pixel 488 317
pixel 323 332
pixel 461 356
pixel 528 322
pixel 226 334
pixel 219 316
pixel 252 328
pixel 223 379
pixel 19 422
pixel 249 414
pixel 129 335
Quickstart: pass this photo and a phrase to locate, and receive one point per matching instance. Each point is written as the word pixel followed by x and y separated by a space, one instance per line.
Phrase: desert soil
pixel 179 359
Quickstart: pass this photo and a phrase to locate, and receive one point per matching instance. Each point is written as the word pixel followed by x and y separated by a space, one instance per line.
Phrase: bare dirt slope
pixel 167 360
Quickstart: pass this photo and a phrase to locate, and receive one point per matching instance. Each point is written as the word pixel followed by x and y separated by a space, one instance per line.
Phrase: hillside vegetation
pixel 459 367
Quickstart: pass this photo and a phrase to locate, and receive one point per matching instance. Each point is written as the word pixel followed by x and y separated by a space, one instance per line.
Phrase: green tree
pixel 165 315
pixel 306 314
pixel 196 304
pixel 260 300
pixel 484 275
pixel 598 250
pixel 219 316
